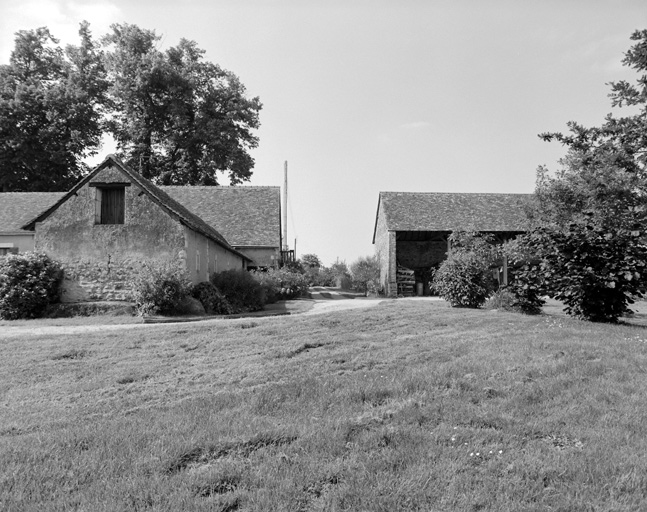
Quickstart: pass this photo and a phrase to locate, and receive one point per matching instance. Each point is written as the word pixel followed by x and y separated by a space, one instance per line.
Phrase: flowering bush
pixel 281 284
pixel 160 288
pixel 214 302
pixel 241 290
pixel 29 282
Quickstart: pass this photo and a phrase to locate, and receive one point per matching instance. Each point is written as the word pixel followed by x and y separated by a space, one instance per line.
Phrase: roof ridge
pixel 461 193
pixel 216 187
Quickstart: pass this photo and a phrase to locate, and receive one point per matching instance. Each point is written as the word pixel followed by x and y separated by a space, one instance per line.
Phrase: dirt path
pixel 318 307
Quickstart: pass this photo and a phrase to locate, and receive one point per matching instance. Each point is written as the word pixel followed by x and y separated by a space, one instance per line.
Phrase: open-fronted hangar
pixel 412 229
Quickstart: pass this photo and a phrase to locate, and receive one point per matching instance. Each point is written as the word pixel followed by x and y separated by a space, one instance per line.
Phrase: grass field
pixel 409 405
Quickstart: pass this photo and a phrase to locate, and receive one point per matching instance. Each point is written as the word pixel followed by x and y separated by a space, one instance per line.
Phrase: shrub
pixel 463 280
pixel 160 288
pixel 365 273
pixel 596 271
pixel 501 299
pixel 29 282
pixel 241 290
pixel 214 302
pixel 281 284
pixel 525 281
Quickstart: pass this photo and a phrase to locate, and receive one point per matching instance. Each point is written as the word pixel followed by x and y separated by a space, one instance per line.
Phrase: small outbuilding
pixel 411 234
pixel 112 222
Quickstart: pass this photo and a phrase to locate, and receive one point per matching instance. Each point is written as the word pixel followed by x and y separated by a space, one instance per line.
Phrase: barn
pixel 411 234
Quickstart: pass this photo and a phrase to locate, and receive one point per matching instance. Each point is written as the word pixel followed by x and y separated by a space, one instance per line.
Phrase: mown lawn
pixel 410 405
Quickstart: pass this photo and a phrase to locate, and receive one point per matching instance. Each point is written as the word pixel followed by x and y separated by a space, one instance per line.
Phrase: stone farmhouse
pixel 113 220
pixel 411 234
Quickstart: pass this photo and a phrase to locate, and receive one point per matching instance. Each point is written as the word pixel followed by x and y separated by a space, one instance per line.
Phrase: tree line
pixel 175 117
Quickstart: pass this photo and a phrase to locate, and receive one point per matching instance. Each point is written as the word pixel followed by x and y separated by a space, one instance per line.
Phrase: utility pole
pixel 285 207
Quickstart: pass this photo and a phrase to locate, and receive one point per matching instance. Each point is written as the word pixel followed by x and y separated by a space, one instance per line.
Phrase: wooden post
pixel 505 271
pixel 285 206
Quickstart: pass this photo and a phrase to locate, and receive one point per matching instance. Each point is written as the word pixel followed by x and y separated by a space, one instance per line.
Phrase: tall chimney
pixel 285 207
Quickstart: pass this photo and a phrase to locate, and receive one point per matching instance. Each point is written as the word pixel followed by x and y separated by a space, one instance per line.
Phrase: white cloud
pixel 62 17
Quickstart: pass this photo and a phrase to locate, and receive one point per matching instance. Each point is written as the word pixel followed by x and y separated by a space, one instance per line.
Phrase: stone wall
pixel 100 261
pixel 385 252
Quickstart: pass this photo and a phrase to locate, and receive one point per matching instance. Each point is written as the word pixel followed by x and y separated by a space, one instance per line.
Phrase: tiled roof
pixel 18 208
pixel 433 211
pixel 160 197
pixel 246 216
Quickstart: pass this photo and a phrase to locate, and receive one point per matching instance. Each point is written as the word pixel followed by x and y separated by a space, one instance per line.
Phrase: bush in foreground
pixel 463 281
pixel 214 302
pixel 160 288
pixel 241 289
pixel 596 271
pixel 29 282
pixel 464 278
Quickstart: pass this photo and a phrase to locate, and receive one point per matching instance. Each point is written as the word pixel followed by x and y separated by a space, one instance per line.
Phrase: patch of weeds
pixel 492 393
pixel 221 485
pixel 248 325
pixel 129 379
pixel 373 396
pixel 319 488
pixel 303 348
pixel 329 323
pixel 72 354
pixel 204 455
pixel 12 431
pixel 228 504
pixel 562 442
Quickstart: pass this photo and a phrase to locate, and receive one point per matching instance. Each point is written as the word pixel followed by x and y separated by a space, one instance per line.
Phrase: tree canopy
pixel 590 245
pixel 51 105
pixel 175 117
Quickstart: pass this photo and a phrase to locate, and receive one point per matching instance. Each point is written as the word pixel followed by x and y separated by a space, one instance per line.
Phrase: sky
pixel 363 96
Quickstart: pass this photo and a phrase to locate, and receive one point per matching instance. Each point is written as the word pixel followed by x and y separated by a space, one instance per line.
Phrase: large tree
pixel 175 117
pixel 591 214
pixel 178 118
pixel 50 111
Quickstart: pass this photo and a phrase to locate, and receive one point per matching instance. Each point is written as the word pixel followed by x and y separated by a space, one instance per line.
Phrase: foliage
pixel 214 302
pixel 310 260
pixel 502 299
pixel 51 107
pixel 281 284
pixel 620 142
pixel 319 276
pixel 526 282
pixel 365 273
pixel 176 118
pixel 159 288
pixel 241 290
pixel 464 279
pixel 29 282
pixel 596 272
pixel 590 214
